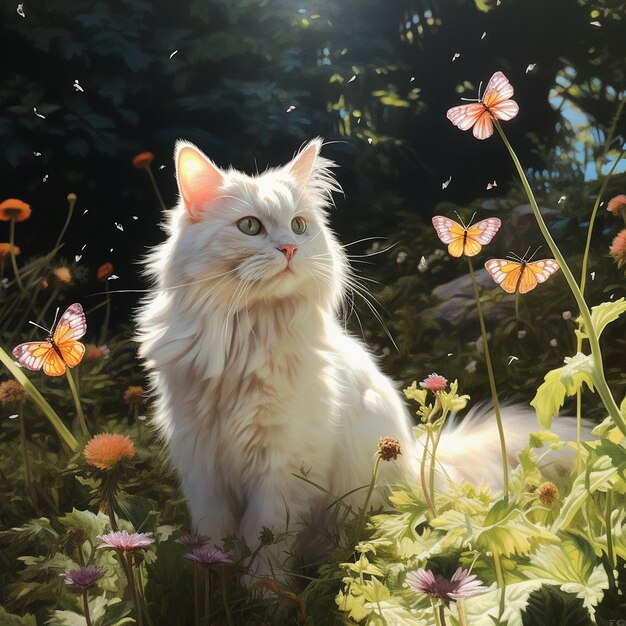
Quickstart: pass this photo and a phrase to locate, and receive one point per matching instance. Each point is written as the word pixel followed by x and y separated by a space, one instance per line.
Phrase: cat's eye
pixel 250 225
pixel 298 225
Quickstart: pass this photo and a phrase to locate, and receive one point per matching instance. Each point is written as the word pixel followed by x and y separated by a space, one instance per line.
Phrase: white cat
pixel 256 378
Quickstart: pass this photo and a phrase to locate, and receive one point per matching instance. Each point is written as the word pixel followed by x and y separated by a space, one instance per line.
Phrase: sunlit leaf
pixel 601 316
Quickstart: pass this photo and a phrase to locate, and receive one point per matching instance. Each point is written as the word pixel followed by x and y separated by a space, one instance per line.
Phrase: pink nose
pixel 288 249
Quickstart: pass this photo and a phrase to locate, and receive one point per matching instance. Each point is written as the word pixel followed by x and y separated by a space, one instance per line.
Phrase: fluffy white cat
pixel 256 378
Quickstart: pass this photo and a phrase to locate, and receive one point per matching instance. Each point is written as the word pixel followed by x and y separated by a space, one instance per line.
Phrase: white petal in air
pixel 119 226
pixel 20 10
pixel 530 67
pixel 173 53
pixel 43 117
pixel 445 184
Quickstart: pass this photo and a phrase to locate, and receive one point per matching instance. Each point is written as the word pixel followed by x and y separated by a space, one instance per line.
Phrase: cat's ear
pixel 302 165
pixel 199 179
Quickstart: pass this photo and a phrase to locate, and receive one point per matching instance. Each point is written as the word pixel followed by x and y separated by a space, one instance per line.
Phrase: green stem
pixel 142 595
pixel 68 218
pixel 599 379
pixel 41 403
pixel 86 608
pixel 156 188
pixel 425 487
pixel 500 579
pixel 431 477
pixel 224 586
pixel 492 383
pixel 128 571
pixel 18 280
pixel 442 615
pixel 435 612
pixel 207 596
pixel 609 530
pixel 361 522
pixel 79 408
pixel 461 610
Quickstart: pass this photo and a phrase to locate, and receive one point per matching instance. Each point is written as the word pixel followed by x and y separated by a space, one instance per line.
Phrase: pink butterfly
pixel 495 104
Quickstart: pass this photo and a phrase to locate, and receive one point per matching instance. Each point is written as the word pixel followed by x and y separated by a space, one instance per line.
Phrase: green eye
pixel 249 225
pixel 298 225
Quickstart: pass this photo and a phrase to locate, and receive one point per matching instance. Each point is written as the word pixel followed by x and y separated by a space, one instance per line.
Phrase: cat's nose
pixel 288 249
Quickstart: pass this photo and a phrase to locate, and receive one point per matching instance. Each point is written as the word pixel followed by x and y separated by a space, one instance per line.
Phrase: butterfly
pixel 495 104
pixel 462 239
pixel 60 349
pixel 517 275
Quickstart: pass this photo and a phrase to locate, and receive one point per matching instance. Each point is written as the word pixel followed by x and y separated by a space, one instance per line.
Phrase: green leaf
pixel 558 383
pixel 601 316
pixel 549 606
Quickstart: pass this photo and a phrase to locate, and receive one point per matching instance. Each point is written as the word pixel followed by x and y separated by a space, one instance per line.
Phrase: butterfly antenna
pixel 472 219
pixel 480 86
pixel 56 314
pixel 533 254
pixel 461 220
pixel 38 326
pixel 515 257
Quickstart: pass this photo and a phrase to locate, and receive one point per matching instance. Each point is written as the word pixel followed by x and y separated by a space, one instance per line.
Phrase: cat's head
pixel 243 238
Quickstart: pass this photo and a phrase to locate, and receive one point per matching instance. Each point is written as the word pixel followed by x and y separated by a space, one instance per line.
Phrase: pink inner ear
pixel 302 165
pixel 199 180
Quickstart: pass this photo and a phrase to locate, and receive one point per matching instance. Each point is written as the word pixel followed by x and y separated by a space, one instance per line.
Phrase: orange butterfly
pixel 462 239
pixel 495 104
pixel 517 275
pixel 60 349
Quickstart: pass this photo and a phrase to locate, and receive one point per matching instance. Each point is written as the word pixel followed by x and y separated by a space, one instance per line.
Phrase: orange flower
pixel 617 204
pixel 12 208
pixel 43 284
pixel 547 493
pixel 143 159
pixel 62 275
pixel 618 248
pixel 5 250
pixel 93 352
pixel 134 395
pixel 104 271
pixel 106 450
pixel 12 392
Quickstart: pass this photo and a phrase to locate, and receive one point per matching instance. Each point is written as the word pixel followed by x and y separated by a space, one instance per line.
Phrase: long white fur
pixel 256 379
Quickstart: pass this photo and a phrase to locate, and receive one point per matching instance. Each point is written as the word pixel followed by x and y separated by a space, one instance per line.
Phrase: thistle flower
pixel 618 248
pixel 12 392
pixel 434 382
pixel 134 395
pixel 62 276
pixel 617 205
pixel 12 208
pixel 143 159
pixel 106 450
pixel 126 542
pixel 105 271
pixel 193 541
pixel 547 493
pixel 389 448
pixel 209 556
pixel 462 585
pixel 5 250
pixel 83 577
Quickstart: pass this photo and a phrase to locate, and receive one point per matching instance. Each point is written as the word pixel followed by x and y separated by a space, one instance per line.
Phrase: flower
pixel 72 197
pixel 5 250
pixel 42 284
pixel 84 577
pixel 11 391
pixel 106 450
pixel 193 541
pixel 93 352
pixel 617 204
pixel 461 585
pixel 143 159
pixel 209 556
pixel 434 382
pixel 127 542
pixel 62 275
pixel 618 248
pixel 547 493
pixel 389 448
pixel 134 395
pixel 105 271
pixel 266 536
pixel 567 315
pixel 12 208
pixel 471 366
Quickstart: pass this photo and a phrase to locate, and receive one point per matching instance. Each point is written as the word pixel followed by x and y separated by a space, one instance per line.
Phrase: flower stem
pixel 435 612
pixel 361 522
pixel 492 383
pixel 86 608
pixel 79 408
pixel 68 218
pixel 224 586
pixel 609 530
pixel 461 610
pixel 156 188
pixel 600 381
pixel 500 579
pixel 18 280
pixel 431 477
pixel 425 487
pixel 442 615
pixel 196 593
pixel 207 596
pixel 128 571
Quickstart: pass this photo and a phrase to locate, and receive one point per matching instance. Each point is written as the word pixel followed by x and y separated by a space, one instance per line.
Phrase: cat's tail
pixel 469 449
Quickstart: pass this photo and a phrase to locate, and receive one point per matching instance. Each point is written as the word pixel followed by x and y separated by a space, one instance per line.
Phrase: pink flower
pixel 434 383
pixel 618 248
pixel 193 541
pixel 83 577
pixel 617 204
pixel 461 585
pixel 209 556
pixel 121 540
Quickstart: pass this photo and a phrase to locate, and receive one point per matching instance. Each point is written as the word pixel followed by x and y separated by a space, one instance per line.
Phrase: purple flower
pixel 83 577
pixel 461 585
pixel 121 540
pixel 209 556
pixel 193 541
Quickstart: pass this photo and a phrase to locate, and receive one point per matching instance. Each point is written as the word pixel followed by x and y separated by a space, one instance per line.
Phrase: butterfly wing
pixel 497 98
pixel 506 273
pixel 480 234
pixel 466 115
pixel 537 272
pixel 33 354
pixel 71 327
pixel 450 232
